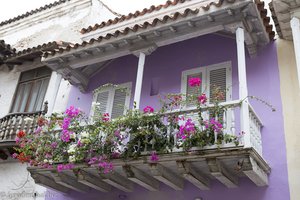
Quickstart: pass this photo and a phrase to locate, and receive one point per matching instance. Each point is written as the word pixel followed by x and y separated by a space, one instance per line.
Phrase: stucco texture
pixel 290 95
pixel 167 64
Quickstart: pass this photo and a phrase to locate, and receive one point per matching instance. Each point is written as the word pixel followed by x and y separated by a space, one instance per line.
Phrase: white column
pixel 139 80
pixel 295 24
pixel 52 90
pixel 243 89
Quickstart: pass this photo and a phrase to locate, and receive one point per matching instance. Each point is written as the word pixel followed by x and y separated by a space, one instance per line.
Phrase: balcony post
pixel 243 89
pixel 295 25
pixel 139 79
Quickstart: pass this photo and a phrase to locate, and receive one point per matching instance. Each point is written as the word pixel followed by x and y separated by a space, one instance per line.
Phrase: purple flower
pixel 154 157
pixel 53 145
pixel 38 130
pixel 72 112
pixel 186 130
pixel 202 98
pixel 214 124
pixel 65 136
pixel 15 155
pixel 148 109
pixel 62 167
pixel 17 140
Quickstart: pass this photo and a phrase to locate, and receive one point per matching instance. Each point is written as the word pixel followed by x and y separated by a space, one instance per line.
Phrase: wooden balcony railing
pixel 14 122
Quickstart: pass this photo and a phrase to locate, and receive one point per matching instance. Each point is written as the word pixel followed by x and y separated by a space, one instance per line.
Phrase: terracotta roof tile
pixel 155 21
pixel 34 52
pixel 48 6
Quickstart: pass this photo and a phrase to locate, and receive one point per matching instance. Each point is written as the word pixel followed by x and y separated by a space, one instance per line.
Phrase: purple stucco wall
pixel 167 64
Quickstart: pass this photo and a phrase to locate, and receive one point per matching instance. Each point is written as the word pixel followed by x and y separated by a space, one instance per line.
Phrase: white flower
pixel 72 149
pixel 50 162
pixel 85 134
pixel 72 158
pixel 45 161
pixel 72 136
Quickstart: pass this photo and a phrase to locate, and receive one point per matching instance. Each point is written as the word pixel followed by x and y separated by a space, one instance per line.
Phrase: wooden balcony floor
pixel 226 165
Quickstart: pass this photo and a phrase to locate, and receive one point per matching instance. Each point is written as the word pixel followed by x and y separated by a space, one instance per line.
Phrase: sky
pixel 13 8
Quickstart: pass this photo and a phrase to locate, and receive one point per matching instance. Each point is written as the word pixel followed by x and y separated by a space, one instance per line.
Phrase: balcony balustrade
pixel 12 123
pixel 226 163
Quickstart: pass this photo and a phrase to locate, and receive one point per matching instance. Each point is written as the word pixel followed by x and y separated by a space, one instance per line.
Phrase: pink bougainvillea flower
pixel 202 98
pixel 148 109
pixel 194 82
pixel 105 117
pixel 62 167
pixel 154 157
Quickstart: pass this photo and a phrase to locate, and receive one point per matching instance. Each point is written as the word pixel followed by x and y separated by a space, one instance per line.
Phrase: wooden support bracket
pixel 69 182
pixel 218 170
pixel 92 181
pixel 166 176
pixel 118 181
pixel 141 178
pixel 192 175
pixel 255 173
pixel 49 183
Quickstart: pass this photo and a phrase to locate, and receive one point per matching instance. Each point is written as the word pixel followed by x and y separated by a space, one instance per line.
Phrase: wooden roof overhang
pixel 199 168
pixel 282 13
pixel 185 21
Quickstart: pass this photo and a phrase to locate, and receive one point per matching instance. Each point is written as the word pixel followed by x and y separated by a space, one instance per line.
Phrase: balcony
pixel 225 162
pixel 12 123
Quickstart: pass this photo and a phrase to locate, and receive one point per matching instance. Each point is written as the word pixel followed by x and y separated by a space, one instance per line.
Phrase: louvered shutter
pixel 101 106
pixel 193 90
pixel 119 102
pixel 217 79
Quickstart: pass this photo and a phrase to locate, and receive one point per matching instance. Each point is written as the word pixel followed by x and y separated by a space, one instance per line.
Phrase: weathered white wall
pixel 8 84
pixel 16 183
pixel 290 96
pixel 60 23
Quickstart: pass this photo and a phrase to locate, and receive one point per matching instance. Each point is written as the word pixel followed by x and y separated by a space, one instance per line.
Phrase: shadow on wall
pixel 246 191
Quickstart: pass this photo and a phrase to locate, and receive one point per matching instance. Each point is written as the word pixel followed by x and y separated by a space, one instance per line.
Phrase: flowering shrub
pixel 62 141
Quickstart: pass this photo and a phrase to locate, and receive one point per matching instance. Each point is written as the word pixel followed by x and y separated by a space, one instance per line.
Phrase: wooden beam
pixel 49 183
pixel 118 181
pixel 92 181
pixel 221 173
pixel 255 173
pixel 166 176
pixel 192 175
pixel 141 178
pixel 69 182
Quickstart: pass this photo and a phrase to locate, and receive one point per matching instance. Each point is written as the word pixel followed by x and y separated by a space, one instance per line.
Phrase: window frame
pixel 205 70
pixel 33 81
pixel 111 89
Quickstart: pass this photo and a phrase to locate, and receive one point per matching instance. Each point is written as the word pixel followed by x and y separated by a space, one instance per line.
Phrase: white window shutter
pixel 100 104
pixel 218 78
pixel 119 102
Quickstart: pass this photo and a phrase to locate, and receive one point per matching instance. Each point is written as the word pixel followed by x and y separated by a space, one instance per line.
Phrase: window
pixel 31 90
pixel 217 75
pixel 111 99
